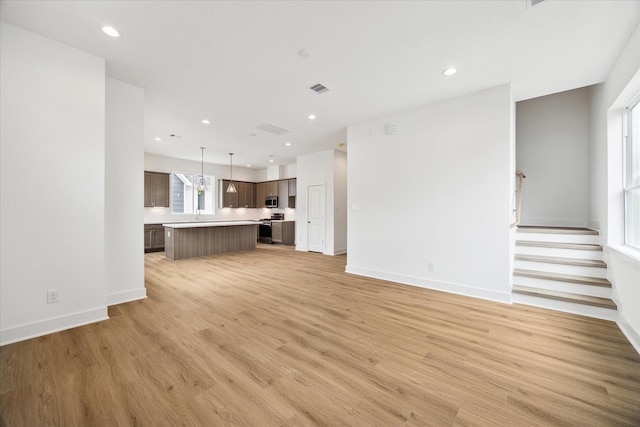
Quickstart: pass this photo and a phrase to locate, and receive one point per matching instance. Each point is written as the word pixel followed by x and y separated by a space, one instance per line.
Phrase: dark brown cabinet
pixel 283 232
pixel 270 188
pixel 229 200
pixel 252 195
pixel 243 198
pixel 156 189
pixel 153 237
pixel 260 194
pixel 246 195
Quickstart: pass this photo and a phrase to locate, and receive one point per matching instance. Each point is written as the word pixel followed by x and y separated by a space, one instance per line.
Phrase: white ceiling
pixel 237 64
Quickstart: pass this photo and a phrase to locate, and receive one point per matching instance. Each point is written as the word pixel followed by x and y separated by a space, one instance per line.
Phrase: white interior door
pixel 316 218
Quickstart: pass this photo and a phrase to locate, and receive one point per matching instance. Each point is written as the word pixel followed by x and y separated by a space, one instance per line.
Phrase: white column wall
pixel 315 169
pixel 124 193
pixel 52 199
pixel 437 191
pixel 340 203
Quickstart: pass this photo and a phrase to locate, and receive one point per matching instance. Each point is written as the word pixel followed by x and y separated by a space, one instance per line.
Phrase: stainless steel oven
pixel 265 231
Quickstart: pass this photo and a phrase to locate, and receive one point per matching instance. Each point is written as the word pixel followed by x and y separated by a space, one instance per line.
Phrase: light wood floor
pixel 277 337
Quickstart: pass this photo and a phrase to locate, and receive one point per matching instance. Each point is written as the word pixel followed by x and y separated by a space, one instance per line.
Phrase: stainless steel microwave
pixel 271 202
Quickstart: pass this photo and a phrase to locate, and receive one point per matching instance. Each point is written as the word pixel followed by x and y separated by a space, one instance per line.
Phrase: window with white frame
pixel 632 175
pixel 187 199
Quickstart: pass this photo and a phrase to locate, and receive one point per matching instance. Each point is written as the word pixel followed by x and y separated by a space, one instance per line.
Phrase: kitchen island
pixel 195 239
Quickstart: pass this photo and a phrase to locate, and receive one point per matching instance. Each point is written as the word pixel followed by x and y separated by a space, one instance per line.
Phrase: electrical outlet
pixel 52 296
pixel 431 266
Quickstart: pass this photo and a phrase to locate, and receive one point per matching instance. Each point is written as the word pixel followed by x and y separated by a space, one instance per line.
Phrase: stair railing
pixel 519 181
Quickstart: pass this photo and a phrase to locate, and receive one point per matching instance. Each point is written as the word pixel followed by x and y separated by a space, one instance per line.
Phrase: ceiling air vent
pixel 271 128
pixel 319 88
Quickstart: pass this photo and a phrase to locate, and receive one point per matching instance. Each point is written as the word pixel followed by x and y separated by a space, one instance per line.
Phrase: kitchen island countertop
pixel 199 224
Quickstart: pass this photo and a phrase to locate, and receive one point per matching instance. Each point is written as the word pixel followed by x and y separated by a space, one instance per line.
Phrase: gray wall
pixel 552 149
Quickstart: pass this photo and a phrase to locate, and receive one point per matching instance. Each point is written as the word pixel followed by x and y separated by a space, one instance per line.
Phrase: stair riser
pixel 557 285
pixel 567 307
pixel 561 268
pixel 563 253
pixel 592 239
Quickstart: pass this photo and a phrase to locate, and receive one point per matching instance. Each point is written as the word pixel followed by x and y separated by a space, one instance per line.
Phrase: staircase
pixel 562 269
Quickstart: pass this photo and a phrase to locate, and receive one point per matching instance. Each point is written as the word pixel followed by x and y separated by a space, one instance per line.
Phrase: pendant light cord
pixel 231 188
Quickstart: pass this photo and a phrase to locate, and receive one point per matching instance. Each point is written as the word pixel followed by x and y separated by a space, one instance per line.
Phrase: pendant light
pixel 202 186
pixel 231 188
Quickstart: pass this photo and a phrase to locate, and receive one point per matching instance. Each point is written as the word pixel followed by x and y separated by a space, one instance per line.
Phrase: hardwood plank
pixel 276 337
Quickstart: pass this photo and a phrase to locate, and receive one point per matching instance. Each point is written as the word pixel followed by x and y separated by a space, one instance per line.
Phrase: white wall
pixel 605 167
pixel 438 191
pixel 339 202
pixel 154 162
pixel 323 168
pixel 552 139
pixel 124 192
pixel 52 111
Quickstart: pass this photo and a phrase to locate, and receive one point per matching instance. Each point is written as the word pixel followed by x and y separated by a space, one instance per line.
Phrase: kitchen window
pixel 632 175
pixel 185 197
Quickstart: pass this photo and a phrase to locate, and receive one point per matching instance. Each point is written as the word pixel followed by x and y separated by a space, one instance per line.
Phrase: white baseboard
pixel 451 288
pixel 338 251
pixel 49 326
pixel 126 296
pixel 632 335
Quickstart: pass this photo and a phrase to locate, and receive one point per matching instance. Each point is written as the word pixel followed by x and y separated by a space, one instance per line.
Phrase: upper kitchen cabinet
pixel 156 189
pixel 244 198
pixel 271 188
pixel 246 195
pixel 292 187
pixel 292 193
pixel 261 189
pixel 229 200
pixel 283 194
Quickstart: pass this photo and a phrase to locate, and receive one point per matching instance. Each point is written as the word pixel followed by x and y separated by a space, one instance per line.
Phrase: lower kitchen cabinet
pixel 283 232
pixel 153 238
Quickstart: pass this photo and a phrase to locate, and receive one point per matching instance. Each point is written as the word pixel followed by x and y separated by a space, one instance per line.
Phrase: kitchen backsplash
pixel 160 215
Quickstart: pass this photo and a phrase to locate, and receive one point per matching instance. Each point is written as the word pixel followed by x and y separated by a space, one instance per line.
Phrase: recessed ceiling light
pixel 288 144
pixel 110 31
pixel 248 166
pixel 270 160
pixel 311 116
pixel 158 139
pixel 449 71
pixel 205 121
